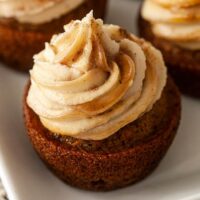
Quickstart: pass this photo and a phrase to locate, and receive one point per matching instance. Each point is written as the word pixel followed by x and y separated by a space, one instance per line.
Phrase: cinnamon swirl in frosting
pixel 94 79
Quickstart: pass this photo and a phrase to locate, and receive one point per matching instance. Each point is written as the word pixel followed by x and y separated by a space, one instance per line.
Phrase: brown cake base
pixel 122 159
pixel 19 42
pixel 183 65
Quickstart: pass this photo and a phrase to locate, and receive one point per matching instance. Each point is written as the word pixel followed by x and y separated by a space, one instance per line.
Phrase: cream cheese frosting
pixel 36 11
pixel 177 3
pixel 91 80
pixel 179 23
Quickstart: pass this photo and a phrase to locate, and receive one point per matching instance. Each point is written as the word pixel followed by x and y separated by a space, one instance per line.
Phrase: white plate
pixel 26 178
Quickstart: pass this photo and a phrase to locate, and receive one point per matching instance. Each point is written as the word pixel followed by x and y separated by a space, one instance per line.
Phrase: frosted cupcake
pixel 26 24
pixel 100 110
pixel 174 28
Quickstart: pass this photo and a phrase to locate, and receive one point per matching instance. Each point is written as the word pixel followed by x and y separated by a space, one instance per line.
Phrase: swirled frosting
pixel 36 11
pixel 177 21
pixel 93 79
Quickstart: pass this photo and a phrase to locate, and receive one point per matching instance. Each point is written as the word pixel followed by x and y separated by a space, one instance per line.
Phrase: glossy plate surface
pixel 26 178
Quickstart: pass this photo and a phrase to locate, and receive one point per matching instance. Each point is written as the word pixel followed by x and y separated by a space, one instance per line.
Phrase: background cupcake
pixel 26 25
pixel 174 28
pixel 100 110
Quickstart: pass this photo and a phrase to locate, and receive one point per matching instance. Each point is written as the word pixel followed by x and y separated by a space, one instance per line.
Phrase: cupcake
pixel 174 28
pixel 25 25
pixel 99 108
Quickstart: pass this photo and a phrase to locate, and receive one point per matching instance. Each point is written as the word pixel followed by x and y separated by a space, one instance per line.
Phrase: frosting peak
pixel 92 80
pixel 81 47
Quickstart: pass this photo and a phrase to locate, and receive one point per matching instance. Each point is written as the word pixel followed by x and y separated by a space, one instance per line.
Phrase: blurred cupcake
pixel 100 110
pixel 26 24
pixel 174 28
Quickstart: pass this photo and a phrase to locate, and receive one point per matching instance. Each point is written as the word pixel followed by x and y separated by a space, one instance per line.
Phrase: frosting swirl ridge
pixel 36 11
pixel 93 79
pixel 177 21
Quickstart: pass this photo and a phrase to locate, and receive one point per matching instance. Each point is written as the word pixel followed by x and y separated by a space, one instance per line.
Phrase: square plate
pixel 26 178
